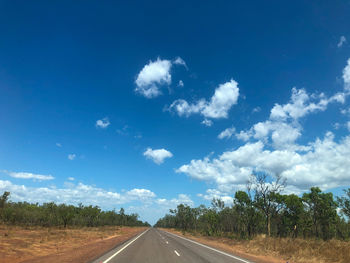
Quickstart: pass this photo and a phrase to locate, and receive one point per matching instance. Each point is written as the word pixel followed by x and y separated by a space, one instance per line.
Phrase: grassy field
pixel 279 250
pixel 32 244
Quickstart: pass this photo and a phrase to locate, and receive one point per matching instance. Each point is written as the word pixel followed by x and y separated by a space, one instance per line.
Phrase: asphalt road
pixel 156 246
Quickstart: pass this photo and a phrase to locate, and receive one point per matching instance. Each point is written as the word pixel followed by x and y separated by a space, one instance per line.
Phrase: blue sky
pixel 145 105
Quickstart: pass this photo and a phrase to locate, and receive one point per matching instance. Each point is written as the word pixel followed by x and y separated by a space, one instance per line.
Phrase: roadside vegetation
pixel 52 232
pixel 299 228
pixel 62 215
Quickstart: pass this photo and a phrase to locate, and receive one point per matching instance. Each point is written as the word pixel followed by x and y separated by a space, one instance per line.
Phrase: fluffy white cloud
pixel 283 127
pixel 24 175
pixel 152 76
pixel 348 125
pixel 140 194
pixel 342 41
pixel 71 156
pixel 158 156
pixel 75 194
pixel 207 122
pixel 103 123
pixel 227 133
pixel 71 178
pixel 324 164
pixel 172 203
pixel 300 105
pixel 346 75
pixel 58 144
pixel 180 84
pixel 225 96
pixel 270 146
pixel 244 135
pixel 217 194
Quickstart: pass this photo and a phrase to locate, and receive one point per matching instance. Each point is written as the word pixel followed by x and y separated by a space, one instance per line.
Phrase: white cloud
pixel 71 156
pixel 348 125
pixel 103 123
pixel 345 111
pixel 346 75
pixel 342 41
pixel 244 135
pixel 158 156
pixel 172 203
pixel 58 144
pixel 299 106
pixel 227 133
pixel 225 96
pixel 283 127
pixel 180 61
pixel 75 194
pixel 152 76
pixel 71 178
pixel 207 122
pixel 140 194
pixel 180 84
pixel 270 146
pixel 324 164
pixel 217 194
pixel 24 175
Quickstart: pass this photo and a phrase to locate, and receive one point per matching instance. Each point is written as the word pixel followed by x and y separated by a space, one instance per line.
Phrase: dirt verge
pixel 54 245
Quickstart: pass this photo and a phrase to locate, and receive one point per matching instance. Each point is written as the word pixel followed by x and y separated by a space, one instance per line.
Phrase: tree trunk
pixel 268 226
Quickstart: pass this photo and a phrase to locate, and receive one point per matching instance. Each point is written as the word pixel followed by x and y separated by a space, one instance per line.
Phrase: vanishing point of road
pixel 156 246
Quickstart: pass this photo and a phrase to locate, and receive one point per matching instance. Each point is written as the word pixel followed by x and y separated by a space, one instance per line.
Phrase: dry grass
pixel 280 250
pixel 22 243
pixel 301 250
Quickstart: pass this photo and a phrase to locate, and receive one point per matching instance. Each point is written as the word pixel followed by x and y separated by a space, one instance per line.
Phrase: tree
pixel 292 214
pixel 267 197
pixel 344 203
pixel 66 213
pixel 322 209
pixel 3 201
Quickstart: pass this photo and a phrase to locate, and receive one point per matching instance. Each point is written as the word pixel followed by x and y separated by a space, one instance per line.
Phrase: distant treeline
pixel 51 214
pixel 262 209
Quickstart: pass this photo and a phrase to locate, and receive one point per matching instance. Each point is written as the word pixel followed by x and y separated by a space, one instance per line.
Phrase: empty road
pixel 156 246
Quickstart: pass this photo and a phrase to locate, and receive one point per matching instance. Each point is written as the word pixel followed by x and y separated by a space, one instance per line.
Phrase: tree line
pixel 51 214
pixel 262 209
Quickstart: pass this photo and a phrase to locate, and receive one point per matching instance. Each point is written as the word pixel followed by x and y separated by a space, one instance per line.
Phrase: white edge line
pixel 177 253
pixel 224 253
pixel 120 250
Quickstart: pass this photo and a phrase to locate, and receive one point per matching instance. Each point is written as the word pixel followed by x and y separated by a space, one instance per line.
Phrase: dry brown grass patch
pixel 22 243
pixel 263 249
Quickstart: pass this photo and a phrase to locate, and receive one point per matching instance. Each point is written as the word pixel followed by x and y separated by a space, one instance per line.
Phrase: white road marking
pixel 167 242
pixel 120 250
pixel 177 253
pixel 218 251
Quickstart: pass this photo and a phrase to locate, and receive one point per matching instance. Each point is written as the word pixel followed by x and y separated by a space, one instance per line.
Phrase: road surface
pixel 156 246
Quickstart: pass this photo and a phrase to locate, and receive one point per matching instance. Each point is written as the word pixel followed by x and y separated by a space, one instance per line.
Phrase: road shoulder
pixel 224 244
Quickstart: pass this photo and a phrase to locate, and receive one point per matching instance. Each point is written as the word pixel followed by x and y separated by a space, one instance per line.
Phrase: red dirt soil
pixel 78 245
